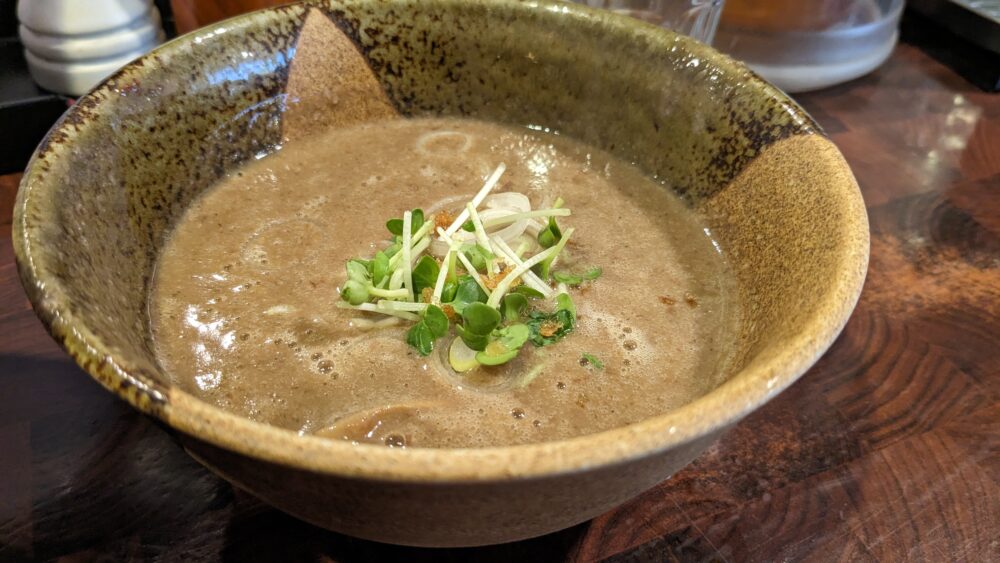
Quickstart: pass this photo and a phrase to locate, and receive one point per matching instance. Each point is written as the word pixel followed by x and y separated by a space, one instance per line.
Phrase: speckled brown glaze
pixel 102 191
pixel 330 83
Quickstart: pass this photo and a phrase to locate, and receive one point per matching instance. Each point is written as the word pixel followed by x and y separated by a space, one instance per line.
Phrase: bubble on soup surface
pixel 395 441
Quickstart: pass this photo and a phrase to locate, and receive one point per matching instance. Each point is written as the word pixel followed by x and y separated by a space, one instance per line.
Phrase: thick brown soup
pixel 245 301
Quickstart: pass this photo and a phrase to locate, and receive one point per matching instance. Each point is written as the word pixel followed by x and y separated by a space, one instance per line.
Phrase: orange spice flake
pixel 549 328
pixel 443 220
pixel 493 280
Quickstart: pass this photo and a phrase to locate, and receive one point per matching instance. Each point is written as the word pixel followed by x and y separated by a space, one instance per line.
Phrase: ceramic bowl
pixel 105 186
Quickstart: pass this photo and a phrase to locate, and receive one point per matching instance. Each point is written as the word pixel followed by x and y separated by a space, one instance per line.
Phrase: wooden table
pixel 887 450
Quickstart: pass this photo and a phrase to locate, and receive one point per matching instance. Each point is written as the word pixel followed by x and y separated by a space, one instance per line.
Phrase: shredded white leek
pixel 481 237
pixel 515 217
pixel 396 280
pixel 371 308
pixel 368 324
pixel 384 304
pixel 442 276
pixel 504 285
pixel 530 278
pixel 388 293
pixel 407 267
pixel 418 249
pixel 491 182
pixel 465 261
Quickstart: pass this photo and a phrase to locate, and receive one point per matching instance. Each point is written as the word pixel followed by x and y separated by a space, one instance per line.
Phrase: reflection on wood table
pixel 887 450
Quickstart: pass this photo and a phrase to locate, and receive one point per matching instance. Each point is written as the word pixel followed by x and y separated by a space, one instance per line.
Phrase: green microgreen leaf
pixel 393 248
pixel 477 255
pixel 505 345
pixel 433 324
pixel 565 303
pixel 467 291
pixel 494 355
pixel 452 276
pixel 567 278
pixel 512 306
pixel 419 336
pixel 549 328
pixel 550 235
pixel 480 318
pixel 448 293
pixel 380 268
pixel 472 340
pixel 354 292
pixel 529 292
pixel 357 270
pixel 577 279
pixel 592 360
pixel 469 226
pixel 436 321
pixel 416 220
pixel 543 268
pixel 395 226
pixel 425 274
pixel 513 336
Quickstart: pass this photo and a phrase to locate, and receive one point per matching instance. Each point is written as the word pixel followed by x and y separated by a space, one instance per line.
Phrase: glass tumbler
pixel 802 45
pixel 695 18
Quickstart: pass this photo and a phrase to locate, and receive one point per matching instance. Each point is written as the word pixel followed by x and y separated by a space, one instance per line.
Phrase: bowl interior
pixel 106 185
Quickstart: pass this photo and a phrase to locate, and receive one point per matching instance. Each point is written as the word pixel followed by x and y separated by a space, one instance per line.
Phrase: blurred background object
pixel 72 45
pixel 963 34
pixel 192 14
pixel 695 18
pixel 802 45
pixel 798 44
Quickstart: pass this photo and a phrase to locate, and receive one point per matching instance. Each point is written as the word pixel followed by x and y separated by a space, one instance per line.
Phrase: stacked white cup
pixel 72 45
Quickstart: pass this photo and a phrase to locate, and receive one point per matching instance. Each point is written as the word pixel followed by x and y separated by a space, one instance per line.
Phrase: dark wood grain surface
pixel 887 450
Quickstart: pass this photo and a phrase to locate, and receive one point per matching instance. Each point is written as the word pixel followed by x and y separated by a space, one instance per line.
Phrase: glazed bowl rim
pixel 720 408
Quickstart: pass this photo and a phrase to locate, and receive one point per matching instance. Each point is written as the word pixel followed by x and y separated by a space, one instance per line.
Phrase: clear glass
pixel 807 44
pixel 696 18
